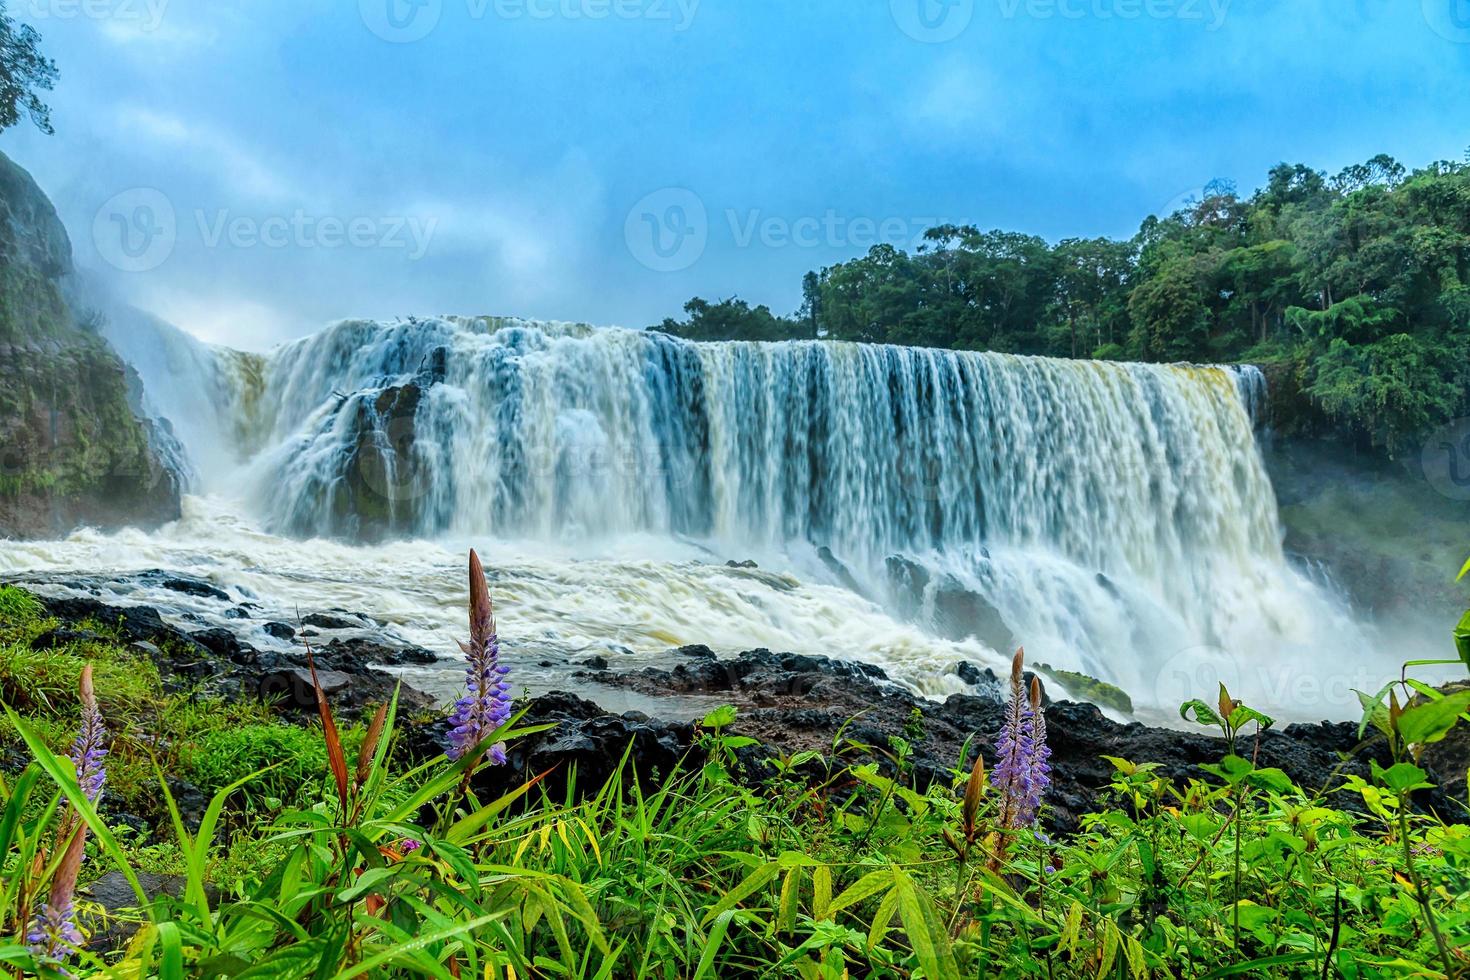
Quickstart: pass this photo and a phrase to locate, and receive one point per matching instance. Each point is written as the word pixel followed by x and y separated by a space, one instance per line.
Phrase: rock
pixel 946 605
pixel 217 662
pixel 907 581
pixel 223 643
pixel 791 703
pixel 837 568
pixel 280 631
pixel 237 612
pixel 131 622
pixel 73 449
pixel 328 621
pixel 293 687
pixel 595 663
pixel 741 564
pixel 63 636
pixel 586 741
pixel 973 674
pixel 194 587
pixel 960 613
pixel 114 895
pixel 367 650
pixel 1094 690
pixel 190 800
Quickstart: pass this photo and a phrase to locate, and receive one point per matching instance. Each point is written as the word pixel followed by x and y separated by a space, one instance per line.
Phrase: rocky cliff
pixel 72 449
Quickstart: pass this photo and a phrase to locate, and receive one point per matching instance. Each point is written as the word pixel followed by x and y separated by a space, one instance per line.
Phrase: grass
pixel 827 870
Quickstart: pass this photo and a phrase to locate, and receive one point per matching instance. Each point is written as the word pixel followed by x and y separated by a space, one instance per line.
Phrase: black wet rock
pixel 595 663
pixel 223 643
pixel 217 662
pixel 330 621
pixel 113 895
pixel 190 800
pixel 791 703
pixel 974 674
pixel 590 743
pixel 131 622
pixel 63 636
pixel 194 587
pixel 280 631
pixel 366 650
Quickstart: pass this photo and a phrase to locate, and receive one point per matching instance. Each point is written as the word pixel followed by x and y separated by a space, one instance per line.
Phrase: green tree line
pixel 1352 290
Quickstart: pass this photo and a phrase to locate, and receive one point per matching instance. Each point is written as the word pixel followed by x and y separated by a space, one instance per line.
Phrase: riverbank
pixel 789 706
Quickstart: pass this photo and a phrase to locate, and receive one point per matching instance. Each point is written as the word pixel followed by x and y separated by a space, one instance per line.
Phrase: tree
pixel 729 319
pixel 24 71
pixel 811 304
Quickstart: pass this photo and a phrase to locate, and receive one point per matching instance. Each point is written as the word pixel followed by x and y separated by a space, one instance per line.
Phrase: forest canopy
pixel 1352 290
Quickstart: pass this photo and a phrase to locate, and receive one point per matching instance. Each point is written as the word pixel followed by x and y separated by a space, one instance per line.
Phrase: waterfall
pixel 1113 517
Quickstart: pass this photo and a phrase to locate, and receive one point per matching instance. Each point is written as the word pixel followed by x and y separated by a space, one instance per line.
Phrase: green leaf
pixel 1462 638
pixel 1201 714
pixel 865 887
pixel 927 934
pixel 753 882
pixel 1375 712
pixel 1431 721
pixel 1232 769
pixel 1402 778
pixel 1253 916
pixel 712 945
pixel 1244 715
pixel 721 717
pixel 1272 779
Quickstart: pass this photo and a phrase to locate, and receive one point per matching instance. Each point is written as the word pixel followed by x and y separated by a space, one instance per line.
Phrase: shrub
pixel 227 755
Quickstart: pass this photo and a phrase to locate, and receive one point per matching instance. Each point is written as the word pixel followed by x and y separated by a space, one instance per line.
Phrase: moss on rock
pixel 71 449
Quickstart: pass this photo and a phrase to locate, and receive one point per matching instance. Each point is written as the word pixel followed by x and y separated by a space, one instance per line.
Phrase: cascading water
pixel 1116 518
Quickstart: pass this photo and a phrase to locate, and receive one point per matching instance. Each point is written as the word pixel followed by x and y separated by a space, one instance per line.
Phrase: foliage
pixel 830 868
pixel 1363 278
pixel 294 757
pixel 24 72
pixel 729 319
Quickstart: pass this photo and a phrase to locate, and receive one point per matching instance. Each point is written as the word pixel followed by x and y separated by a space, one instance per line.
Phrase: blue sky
pixel 251 170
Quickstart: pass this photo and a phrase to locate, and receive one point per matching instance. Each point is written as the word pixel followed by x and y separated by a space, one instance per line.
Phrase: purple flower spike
pixel 53 933
pixel 90 747
pixel 408 845
pixel 486 706
pixel 1022 773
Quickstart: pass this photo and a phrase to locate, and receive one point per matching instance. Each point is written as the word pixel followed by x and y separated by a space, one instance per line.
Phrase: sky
pixel 251 170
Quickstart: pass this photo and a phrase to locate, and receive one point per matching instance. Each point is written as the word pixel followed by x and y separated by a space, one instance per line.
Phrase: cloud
pixel 210 149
